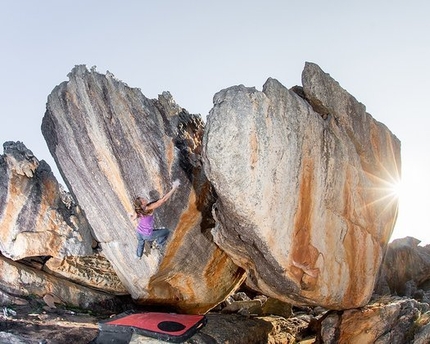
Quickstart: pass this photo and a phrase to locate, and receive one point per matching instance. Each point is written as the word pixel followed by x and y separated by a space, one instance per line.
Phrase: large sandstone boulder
pixel 111 144
pixel 37 218
pixel 303 183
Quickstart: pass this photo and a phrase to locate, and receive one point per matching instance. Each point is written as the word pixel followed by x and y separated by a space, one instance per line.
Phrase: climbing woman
pixel 145 228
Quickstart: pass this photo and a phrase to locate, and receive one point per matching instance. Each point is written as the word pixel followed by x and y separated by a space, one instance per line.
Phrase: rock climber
pixel 145 227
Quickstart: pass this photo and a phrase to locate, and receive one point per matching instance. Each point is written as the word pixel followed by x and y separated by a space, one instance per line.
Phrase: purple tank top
pixel 145 225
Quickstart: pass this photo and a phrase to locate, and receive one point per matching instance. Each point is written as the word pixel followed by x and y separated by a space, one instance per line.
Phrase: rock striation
pixel 304 183
pixel 111 144
pixel 93 271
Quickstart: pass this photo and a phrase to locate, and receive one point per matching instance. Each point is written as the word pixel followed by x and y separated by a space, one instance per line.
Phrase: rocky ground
pixel 38 323
pixel 240 320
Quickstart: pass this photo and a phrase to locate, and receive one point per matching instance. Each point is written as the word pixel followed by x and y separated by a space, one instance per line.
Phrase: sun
pixel 396 189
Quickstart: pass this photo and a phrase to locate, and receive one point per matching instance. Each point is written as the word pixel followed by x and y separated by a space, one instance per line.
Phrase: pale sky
pixel 379 51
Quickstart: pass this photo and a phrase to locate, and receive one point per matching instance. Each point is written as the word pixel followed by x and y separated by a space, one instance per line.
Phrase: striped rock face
pixel 304 179
pixel 112 144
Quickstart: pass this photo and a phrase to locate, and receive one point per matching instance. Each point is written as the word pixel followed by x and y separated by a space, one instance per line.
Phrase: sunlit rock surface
pixel 36 217
pixel 303 180
pixel 111 143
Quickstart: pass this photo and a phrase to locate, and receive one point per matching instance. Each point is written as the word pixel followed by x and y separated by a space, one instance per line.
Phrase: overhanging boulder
pixel 111 143
pixel 304 183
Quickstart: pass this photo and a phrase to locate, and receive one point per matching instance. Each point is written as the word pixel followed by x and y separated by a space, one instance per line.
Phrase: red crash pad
pixel 170 327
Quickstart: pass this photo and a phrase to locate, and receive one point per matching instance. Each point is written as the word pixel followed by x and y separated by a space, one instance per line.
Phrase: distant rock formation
pixel 304 183
pixel 112 144
pixel 406 270
pixel 36 216
pixel 47 234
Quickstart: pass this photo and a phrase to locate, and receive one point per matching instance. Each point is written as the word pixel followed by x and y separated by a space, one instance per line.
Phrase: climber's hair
pixel 139 209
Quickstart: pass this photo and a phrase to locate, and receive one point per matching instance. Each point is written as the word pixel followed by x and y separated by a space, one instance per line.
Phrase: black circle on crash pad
pixel 170 326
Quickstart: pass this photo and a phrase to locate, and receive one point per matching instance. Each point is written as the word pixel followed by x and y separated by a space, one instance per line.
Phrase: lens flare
pixel 397 189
